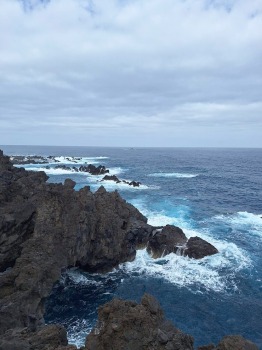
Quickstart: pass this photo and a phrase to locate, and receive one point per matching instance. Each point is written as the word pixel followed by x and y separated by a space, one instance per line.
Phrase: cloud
pixel 150 67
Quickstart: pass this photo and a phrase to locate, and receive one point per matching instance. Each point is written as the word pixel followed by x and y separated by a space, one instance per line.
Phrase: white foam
pixel 59 171
pixel 175 175
pixel 78 331
pixel 208 273
pixel 197 275
pixel 112 185
pixel 249 222
pixel 115 171
pixel 78 160
pixel 78 277
pixel 53 171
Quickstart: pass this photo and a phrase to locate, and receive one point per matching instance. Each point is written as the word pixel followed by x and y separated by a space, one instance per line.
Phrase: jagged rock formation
pixel 46 227
pixel 118 181
pixel 131 326
pixel 90 168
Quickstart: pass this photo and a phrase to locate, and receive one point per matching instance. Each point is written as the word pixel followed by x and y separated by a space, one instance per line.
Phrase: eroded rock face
pixel 166 241
pixel 198 248
pixel 46 227
pixel 131 326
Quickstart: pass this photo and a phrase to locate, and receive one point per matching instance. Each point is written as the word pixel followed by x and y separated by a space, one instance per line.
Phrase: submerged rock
pixel 132 326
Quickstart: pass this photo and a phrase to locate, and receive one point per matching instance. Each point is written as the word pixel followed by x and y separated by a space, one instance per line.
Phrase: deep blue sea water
pixel 213 193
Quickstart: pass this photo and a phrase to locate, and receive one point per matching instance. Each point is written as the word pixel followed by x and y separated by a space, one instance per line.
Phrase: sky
pixel 147 73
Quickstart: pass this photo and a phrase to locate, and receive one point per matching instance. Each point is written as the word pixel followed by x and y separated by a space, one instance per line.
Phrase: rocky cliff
pixel 45 228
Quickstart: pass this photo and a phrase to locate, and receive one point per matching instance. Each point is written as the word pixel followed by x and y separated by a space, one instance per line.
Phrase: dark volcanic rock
pixel 117 180
pixel 51 337
pixel 207 347
pixel 231 342
pixel 131 326
pixel 111 178
pixel 93 170
pixel 198 248
pixel 166 241
pixel 47 227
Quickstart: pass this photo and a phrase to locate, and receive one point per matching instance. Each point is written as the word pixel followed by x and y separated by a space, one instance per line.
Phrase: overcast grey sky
pixel 131 72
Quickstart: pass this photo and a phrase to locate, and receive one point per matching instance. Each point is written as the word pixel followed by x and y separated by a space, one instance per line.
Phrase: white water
pixel 244 221
pixel 175 175
pixel 216 272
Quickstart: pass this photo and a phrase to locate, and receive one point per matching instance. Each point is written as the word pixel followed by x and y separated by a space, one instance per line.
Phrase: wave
pixel 78 160
pixel 244 221
pixel 213 273
pixel 112 185
pixel 59 171
pixel 53 171
pixel 175 175
pixel 217 273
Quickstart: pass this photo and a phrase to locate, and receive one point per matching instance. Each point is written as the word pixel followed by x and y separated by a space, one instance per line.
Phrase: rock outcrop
pixel 132 326
pixel 172 239
pixel 90 168
pixel 166 241
pixel 46 227
pixel 118 181
pixel 94 170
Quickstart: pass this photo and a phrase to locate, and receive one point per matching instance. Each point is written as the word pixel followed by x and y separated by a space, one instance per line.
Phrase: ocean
pixel 215 194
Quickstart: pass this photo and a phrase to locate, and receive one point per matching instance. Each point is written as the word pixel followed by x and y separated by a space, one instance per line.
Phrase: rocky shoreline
pixel 45 228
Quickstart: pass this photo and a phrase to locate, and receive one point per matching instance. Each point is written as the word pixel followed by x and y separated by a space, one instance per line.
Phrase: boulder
pixel 132 326
pixel 198 248
pixel 166 241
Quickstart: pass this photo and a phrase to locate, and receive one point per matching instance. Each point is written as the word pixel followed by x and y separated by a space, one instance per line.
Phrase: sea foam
pixel 175 175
